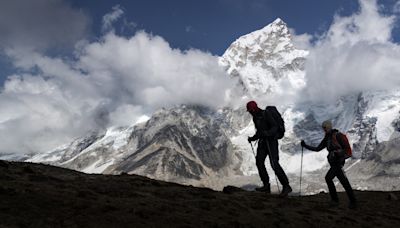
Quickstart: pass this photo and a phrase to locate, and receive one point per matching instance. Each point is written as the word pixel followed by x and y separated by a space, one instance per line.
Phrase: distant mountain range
pixel 207 147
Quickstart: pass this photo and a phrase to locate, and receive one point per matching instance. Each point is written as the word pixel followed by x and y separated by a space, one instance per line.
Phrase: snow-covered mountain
pixel 206 147
pixel 185 144
pixel 266 61
pixel 380 170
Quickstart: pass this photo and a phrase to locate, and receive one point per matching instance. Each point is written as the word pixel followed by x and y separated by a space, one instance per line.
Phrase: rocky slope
pixel 380 169
pixel 34 195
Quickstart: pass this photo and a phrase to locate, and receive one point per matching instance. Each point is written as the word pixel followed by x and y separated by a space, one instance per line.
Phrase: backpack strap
pixel 335 140
pixel 336 144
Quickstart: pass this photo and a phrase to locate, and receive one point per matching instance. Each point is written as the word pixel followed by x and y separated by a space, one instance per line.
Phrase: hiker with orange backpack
pixel 339 149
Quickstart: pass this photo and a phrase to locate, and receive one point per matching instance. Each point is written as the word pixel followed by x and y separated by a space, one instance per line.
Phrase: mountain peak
pixel 278 21
pixel 276 28
pixel 264 54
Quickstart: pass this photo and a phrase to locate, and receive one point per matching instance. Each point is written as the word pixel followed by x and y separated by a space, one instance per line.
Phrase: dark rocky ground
pixel 35 195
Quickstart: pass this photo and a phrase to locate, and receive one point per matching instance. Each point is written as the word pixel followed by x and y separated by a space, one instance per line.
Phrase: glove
pixel 250 139
pixel 303 144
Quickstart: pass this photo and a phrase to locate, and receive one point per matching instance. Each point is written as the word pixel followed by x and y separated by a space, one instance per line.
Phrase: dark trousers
pixel 337 171
pixel 271 148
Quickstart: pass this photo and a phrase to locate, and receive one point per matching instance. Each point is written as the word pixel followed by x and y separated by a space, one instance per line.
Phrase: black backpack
pixel 278 119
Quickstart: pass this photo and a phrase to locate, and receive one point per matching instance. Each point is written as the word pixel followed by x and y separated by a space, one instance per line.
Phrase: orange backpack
pixel 346 147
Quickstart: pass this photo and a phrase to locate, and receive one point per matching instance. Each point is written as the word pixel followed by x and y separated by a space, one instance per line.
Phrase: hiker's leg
pixel 346 184
pixel 260 161
pixel 331 186
pixel 274 160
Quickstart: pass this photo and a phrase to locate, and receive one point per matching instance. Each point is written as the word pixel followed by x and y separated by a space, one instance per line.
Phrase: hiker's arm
pixel 253 138
pixel 273 126
pixel 320 147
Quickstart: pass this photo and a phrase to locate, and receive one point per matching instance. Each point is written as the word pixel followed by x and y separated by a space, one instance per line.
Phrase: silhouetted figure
pixel 267 130
pixel 336 146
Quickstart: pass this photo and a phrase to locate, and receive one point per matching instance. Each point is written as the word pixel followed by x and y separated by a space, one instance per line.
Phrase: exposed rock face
pixel 363 130
pixel 396 126
pixel 183 144
pixel 178 143
pixel 380 170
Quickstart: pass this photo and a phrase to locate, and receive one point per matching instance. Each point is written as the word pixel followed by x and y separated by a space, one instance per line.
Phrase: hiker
pixel 266 134
pixel 336 146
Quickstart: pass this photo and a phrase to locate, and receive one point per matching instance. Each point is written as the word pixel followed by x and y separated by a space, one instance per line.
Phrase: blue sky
pixel 208 25
pixel 212 25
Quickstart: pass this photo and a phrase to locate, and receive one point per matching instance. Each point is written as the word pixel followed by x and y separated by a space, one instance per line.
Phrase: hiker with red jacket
pixel 337 144
pixel 266 133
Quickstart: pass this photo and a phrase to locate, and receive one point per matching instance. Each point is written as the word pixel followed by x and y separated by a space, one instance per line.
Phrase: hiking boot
pixel 266 188
pixel 352 205
pixel 285 191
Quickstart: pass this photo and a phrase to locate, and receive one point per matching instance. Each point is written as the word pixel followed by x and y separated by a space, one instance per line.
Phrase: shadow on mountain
pixel 36 195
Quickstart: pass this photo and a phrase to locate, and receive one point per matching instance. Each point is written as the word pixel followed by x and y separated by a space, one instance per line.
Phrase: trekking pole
pixel 272 164
pixel 301 169
pixel 252 149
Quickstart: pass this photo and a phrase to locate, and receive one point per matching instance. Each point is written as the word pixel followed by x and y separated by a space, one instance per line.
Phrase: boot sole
pixel 285 195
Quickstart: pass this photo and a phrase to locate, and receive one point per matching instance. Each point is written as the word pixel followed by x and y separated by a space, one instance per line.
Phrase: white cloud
pixel 126 115
pixel 114 81
pixel 128 26
pixel 301 41
pixel 40 24
pixel 111 17
pixel 355 54
pixel 396 7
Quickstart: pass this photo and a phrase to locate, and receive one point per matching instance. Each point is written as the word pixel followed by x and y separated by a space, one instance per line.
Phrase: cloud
pixel 396 7
pixel 111 17
pixel 189 28
pixel 40 24
pixel 355 54
pixel 301 41
pixel 114 81
pixel 128 26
